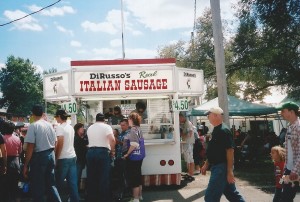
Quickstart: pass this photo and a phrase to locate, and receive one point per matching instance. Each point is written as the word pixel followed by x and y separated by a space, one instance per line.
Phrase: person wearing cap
pixel 290 112
pixel 188 136
pixel 100 150
pixel 219 155
pixel 41 140
pixel 65 156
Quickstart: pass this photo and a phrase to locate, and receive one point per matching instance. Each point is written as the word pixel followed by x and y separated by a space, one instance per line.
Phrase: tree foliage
pixel 264 52
pixel 199 54
pixel 21 86
pixel 267 44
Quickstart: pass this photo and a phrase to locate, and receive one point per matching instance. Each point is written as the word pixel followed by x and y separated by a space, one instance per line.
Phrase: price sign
pixel 180 105
pixel 70 107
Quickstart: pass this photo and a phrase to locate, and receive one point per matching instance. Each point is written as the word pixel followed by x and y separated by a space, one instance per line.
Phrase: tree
pixel 199 54
pixel 21 85
pixel 267 45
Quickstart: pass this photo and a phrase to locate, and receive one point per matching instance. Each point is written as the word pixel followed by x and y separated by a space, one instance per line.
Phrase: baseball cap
pixel 289 106
pixel 37 110
pixel 61 112
pixel 215 110
pixel 100 117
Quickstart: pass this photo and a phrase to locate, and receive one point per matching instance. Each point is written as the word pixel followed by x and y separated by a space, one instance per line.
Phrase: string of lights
pixel 30 14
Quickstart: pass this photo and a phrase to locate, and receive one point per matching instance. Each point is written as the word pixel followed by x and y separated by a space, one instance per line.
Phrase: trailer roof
pixel 123 62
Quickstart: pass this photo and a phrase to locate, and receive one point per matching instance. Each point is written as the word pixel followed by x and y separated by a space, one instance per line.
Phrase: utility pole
pixel 122 24
pixel 220 58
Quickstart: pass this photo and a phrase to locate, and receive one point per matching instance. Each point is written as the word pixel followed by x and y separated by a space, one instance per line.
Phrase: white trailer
pixel 165 88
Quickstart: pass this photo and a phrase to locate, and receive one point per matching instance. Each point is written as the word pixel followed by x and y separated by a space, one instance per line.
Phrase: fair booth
pixel 164 88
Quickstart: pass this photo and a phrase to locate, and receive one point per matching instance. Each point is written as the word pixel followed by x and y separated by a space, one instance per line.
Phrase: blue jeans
pixel 277 195
pixel 80 167
pixel 98 174
pixel 288 191
pixel 66 169
pixel 218 185
pixel 42 178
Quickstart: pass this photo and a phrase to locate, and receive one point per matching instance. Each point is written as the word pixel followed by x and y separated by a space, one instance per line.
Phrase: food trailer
pixel 164 88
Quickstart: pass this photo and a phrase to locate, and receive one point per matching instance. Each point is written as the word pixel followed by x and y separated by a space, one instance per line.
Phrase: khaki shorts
pixel 188 154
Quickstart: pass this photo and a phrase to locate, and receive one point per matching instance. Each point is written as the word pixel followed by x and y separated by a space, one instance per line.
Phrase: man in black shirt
pixel 220 158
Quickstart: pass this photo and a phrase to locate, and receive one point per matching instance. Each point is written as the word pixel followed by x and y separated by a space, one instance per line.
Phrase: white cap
pixel 215 110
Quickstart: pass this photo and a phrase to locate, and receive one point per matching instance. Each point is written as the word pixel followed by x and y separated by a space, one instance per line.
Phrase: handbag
pixel 138 153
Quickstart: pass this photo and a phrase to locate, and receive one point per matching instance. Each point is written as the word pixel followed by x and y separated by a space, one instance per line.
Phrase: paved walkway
pixel 194 192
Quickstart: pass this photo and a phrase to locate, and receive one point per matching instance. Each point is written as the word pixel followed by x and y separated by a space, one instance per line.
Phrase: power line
pixel 30 14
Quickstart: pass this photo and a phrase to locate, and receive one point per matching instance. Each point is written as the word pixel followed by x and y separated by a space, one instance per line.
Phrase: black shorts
pixel 134 173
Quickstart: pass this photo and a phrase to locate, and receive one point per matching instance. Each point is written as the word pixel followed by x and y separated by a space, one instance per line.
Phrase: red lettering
pixel 152 84
pixel 86 83
pixel 145 84
pixel 117 84
pixel 164 84
pixel 133 86
pixel 158 84
pixel 81 83
pixel 140 84
pixel 98 86
pixel 127 85
pixel 92 86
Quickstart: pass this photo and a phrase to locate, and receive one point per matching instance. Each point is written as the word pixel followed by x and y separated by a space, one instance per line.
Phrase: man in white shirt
pixel 65 156
pixel 101 149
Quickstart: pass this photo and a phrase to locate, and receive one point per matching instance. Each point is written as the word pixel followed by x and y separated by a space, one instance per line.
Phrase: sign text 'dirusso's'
pixel 129 85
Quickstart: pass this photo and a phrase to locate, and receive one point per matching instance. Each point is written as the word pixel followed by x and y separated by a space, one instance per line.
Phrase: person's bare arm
pixel 229 156
pixel 59 146
pixel 28 155
pixel 112 143
pixel 204 167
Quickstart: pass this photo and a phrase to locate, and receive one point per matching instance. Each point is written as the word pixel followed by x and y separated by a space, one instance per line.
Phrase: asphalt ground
pixel 192 192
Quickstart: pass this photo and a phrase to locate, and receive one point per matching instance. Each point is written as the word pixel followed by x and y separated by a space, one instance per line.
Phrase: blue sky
pixel 91 29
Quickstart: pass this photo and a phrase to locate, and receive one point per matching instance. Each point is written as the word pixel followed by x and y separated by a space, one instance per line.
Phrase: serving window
pixel 157 120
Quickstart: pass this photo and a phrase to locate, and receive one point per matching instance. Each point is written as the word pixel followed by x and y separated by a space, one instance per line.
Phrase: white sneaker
pixel 141 198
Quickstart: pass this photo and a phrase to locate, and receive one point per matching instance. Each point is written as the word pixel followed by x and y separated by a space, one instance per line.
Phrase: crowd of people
pixel 57 157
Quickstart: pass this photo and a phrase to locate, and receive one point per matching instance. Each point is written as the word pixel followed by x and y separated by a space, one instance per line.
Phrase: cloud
pixel 112 24
pixel 162 14
pixel 99 27
pixel 172 14
pixel 104 51
pixel 28 23
pixel 116 43
pixel 82 51
pixel 2 65
pixel 39 69
pixel 65 60
pixel 64 30
pixel 53 11
pixel 75 44
pixel 137 53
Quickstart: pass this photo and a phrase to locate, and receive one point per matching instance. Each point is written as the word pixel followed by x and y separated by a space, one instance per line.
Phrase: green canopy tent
pixel 236 107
